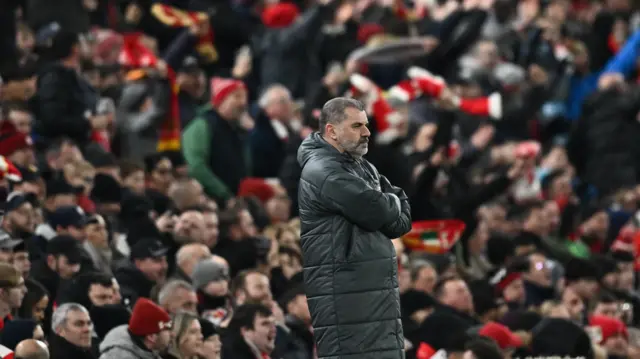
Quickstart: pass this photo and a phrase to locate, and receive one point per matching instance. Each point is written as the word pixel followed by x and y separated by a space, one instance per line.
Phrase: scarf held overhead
pixel 177 18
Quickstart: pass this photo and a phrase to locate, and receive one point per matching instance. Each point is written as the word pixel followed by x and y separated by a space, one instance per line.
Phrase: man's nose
pixel 366 132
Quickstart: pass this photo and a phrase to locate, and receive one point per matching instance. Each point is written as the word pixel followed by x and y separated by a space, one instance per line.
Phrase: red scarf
pixel 176 18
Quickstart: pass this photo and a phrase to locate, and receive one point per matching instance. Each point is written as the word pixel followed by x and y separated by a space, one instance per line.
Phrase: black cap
pixel 58 186
pixel 8 243
pixel 189 65
pixel 66 246
pixel 15 200
pixel 148 248
pixel 106 189
pixel 102 160
pixel 68 216
pixel 29 174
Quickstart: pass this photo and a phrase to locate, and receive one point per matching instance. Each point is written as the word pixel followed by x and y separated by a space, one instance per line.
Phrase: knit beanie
pixel 148 318
pixel 208 271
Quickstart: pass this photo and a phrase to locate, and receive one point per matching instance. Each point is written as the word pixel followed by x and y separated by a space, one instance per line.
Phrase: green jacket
pixel 196 148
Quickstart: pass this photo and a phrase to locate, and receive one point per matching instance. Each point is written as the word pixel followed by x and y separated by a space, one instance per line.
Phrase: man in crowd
pixel 252 333
pixel 178 295
pixel 188 256
pixel 72 330
pixel 346 198
pixel 148 268
pixel 13 291
pixel 31 349
pixel 147 335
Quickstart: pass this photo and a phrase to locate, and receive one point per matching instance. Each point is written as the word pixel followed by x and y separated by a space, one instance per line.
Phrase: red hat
pixel 221 88
pixel 256 187
pixel 609 327
pixel 148 318
pixel 279 15
pixel 12 142
pixel 501 335
pixel 367 31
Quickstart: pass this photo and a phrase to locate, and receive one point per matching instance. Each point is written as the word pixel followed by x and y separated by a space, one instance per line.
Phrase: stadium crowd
pixel 150 173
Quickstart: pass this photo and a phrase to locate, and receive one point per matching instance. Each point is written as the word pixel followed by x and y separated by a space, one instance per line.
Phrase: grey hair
pixel 171 288
pixel 267 94
pixel 59 317
pixel 334 111
pixel 418 265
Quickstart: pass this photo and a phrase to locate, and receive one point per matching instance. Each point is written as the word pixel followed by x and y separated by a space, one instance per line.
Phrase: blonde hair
pixel 181 323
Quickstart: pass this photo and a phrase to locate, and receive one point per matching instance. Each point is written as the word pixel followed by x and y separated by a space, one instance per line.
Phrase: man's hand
pixel 518 169
pixel 166 222
pixel 481 138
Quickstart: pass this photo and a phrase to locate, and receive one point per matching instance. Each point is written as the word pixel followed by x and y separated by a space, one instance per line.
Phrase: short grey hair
pixel 59 317
pixel 334 111
pixel 418 265
pixel 169 289
pixel 267 94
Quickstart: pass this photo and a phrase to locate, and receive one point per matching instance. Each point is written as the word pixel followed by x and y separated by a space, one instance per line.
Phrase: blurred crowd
pixel 150 181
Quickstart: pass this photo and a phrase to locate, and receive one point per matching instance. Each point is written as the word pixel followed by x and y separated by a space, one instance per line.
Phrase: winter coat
pixel 348 214
pixel 119 344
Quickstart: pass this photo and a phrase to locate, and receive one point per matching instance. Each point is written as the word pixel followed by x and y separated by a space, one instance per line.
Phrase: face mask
pixel 209 302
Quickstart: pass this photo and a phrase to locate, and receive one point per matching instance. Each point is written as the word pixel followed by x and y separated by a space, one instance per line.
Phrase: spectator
pixel 148 268
pixel 132 176
pixel 18 330
pixel 187 337
pixel 211 280
pixel 14 290
pixel 219 174
pixel 212 344
pixel 32 349
pixel 251 287
pixel 149 325
pixel 424 277
pixel 187 257
pixel 454 296
pixel 252 332
pixel 177 296
pixel 70 110
pixel 21 117
pixel 186 194
pixel 18 219
pixel 97 244
pixel 71 332
pixel 35 302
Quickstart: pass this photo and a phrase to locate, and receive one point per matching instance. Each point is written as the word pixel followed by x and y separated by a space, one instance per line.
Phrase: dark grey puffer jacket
pixel 348 213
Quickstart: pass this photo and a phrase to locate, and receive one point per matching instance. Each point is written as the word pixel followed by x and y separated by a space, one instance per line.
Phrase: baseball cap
pixel 501 335
pixel 15 200
pixel 66 246
pixel 6 242
pixel 29 173
pixel 68 216
pixel 148 248
pixel 59 186
pixel 189 65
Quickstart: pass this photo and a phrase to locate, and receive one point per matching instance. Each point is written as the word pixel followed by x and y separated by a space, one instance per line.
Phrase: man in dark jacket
pixel 348 213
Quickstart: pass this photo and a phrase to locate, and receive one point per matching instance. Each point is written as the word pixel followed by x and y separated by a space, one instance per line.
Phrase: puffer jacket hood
pixel 348 215
pixel 315 146
pixel 118 344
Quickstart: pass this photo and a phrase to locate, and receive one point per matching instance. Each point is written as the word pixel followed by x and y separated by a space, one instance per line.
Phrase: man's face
pixel 21 218
pixel 21 120
pixel 6 256
pixel 281 105
pixel 16 294
pixel 539 273
pixel 263 333
pixel 352 134
pixel 257 289
pixel 183 300
pixel 574 304
pixel 235 104
pixel 245 227
pixel 426 280
pixel 611 310
pixel 162 342
pixel 76 232
pixel 135 182
pixel 65 269
pixel 190 227
pixel 162 175
pixel 21 262
pixel 514 292
pixel 97 234
pixel 597 226
pixel 456 294
pixel 100 295
pixel 154 268
pixel 212 230
pixel 77 329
